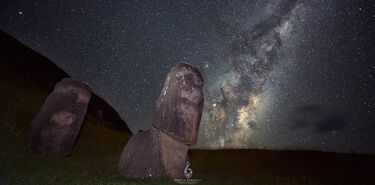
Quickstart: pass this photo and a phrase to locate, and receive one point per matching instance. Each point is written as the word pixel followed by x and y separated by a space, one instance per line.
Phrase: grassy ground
pixel 95 156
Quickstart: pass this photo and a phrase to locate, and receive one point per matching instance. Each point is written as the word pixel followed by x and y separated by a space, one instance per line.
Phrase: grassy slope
pixel 94 159
pixel 284 167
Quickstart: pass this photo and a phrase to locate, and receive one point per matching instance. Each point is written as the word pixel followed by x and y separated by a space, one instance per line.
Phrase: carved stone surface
pixel 161 151
pixel 180 104
pixel 56 126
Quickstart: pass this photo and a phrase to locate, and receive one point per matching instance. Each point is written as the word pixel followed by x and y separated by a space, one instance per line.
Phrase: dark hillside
pixel 21 66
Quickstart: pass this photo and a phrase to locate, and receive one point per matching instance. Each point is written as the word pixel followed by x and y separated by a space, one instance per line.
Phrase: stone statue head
pixel 179 107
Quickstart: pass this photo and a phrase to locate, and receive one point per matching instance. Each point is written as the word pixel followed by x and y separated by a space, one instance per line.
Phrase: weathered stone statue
pixel 56 126
pixel 161 151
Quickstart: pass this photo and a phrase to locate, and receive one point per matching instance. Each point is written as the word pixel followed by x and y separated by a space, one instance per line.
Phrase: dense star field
pixel 278 74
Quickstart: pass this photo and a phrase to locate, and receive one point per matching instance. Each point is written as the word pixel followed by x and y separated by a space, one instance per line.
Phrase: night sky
pixel 278 74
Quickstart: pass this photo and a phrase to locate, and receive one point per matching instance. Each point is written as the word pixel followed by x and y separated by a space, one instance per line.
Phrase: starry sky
pixel 278 74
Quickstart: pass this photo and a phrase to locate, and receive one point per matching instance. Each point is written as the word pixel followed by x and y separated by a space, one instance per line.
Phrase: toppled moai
pixel 161 151
pixel 55 128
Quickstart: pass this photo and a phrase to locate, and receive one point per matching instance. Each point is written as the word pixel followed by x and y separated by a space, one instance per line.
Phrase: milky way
pixel 278 74
pixel 231 116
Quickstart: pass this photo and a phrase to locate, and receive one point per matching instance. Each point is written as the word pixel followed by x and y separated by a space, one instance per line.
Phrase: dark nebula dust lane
pixel 252 55
pixel 278 74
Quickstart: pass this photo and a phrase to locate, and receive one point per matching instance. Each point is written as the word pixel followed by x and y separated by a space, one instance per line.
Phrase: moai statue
pixel 56 126
pixel 161 151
